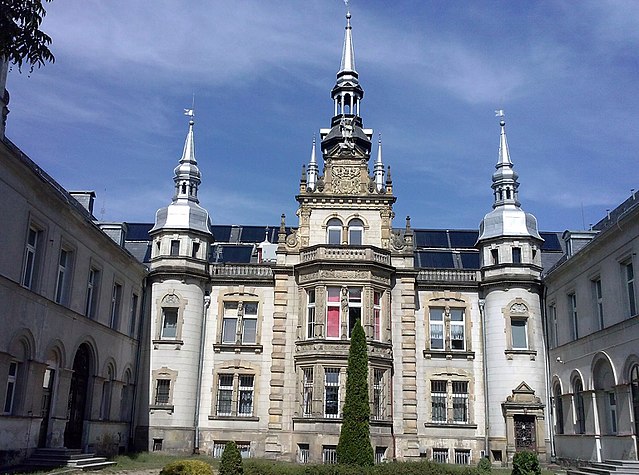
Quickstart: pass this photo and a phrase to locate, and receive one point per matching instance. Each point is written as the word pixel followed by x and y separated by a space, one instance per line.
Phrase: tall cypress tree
pixel 354 447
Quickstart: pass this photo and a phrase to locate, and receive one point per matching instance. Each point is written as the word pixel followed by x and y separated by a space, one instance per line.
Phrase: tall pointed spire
pixel 347 92
pixel 187 174
pixel 505 183
pixel 348 53
pixel 379 166
pixel 313 170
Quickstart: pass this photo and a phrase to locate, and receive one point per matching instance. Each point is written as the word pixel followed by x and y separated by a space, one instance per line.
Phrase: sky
pixel 108 114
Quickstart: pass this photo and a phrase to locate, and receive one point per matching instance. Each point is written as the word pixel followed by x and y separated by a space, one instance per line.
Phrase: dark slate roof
pixel 138 231
pixel 232 253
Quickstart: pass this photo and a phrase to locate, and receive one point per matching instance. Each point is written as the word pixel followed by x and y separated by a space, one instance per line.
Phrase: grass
pixel 151 461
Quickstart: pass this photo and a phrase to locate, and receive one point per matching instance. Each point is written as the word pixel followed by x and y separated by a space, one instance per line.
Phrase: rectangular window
pixel 195 250
pixel 598 298
pixel 438 400
pixel 93 291
pixel 63 281
pixel 331 392
pixel 162 391
pixel 116 300
pixel 457 340
pixel 377 316
pixel 554 329
pixel 630 288
pixel 379 402
pixel 329 454
pixel 229 323
pixel 436 328
pixel 249 323
pixel 494 254
pixel 462 456
pixel 304 452
pixel 333 312
pixel 440 455
pixel 519 331
pixel 307 392
pixel 354 307
pixel 245 399
pixel 175 247
pixel 169 323
pixel 244 448
pixel 224 394
pixel 11 387
pixel 460 402
pixel 612 412
pixel 218 449
pixel 380 454
pixel 516 255
pixel 572 305
pixel 31 258
pixel 310 314
pixel 134 314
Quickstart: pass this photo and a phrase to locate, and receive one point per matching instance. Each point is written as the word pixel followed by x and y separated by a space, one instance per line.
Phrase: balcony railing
pixel 448 275
pixel 345 253
pixel 241 270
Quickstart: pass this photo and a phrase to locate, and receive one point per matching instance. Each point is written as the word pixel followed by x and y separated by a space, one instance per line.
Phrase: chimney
pixel 85 198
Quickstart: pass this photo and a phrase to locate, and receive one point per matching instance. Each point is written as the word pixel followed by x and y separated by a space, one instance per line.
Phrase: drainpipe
pixel 549 397
pixel 482 315
pixel 198 389
pixel 141 344
pixel 392 378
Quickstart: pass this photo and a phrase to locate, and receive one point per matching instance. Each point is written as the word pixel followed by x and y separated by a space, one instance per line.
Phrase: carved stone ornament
pixel 291 239
pixel 307 277
pixel 397 241
pixel 346 180
pixel 519 309
pixel 343 274
pixel 171 299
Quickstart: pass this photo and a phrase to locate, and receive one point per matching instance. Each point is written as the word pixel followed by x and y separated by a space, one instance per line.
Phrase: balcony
pixel 345 253
pixel 448 276
pixel 241 271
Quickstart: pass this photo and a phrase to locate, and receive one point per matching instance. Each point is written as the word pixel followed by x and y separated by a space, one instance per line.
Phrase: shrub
pixel 354 447
pixel 484 465
pixel 526 463
pixel 187 467
pixel 231 462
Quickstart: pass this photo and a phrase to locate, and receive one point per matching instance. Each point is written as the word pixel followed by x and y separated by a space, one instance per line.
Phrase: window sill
pixel 235 348
pixel 158 343
pixel 449 354
pixel 451 425
pixel 510 353
pixel 234 418
pixel 161 407
pixel 313 419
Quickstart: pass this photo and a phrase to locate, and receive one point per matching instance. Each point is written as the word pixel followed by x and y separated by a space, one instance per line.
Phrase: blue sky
pixel 107 116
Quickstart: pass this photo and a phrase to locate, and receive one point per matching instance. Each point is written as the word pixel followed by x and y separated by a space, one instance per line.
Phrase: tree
pixel 231 462
pixel 354 447
pixel 21 40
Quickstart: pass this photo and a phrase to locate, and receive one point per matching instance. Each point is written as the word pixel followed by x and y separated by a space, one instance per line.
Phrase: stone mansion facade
pixel 180 335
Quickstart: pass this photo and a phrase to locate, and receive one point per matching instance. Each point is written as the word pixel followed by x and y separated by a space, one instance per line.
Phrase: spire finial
pixel 379 166
pixel 348 53
pixel 313 170
pixel 187 174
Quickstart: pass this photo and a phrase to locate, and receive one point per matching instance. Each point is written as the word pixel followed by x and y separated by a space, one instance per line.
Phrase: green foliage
pixel 484 465
pixel 526 463
pixel 231 462
pixel 21 39
pixel 187 467
pixel 354 447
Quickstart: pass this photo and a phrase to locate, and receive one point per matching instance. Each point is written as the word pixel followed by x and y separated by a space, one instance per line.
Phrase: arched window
pixel 355 232
pixel 334 231
pixel 580 413
pixel 559 409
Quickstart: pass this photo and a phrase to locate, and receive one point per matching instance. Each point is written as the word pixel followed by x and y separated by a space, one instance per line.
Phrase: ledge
pixel 510 353
pixel 161 407
pixel 234 418
pixel 449 354
pixel 235 348
pixel 177 343
pixel 450 425
pixel 315 419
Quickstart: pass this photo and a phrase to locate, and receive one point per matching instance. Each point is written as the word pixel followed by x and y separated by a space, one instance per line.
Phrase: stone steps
pixel 608 467
pixel 72 458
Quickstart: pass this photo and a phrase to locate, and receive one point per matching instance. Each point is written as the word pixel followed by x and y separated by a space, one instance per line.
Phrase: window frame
pixel 94 282
pixel 377 315
pixel 334 229
pixel 574 315
pixel 597 294
pixel 232 394
pixel 630 290
pixel 450 398
pixel 443 316
pixel 335 306
pixel 10 392
pixel 116 305
pixel 334 390
pixel 32 257
pixel 307 391
pixel 64 276
pixel 356 232
pixel 310 314
pixel 163 374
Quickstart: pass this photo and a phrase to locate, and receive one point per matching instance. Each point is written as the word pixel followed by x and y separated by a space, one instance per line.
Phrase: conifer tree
pixel 231 462
pixel 354 447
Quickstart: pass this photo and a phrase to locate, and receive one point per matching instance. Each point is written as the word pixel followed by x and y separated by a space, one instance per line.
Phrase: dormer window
pixel 334 231
pixel 355 232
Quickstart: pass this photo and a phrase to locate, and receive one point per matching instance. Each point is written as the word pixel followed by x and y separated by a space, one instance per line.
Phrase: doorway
pixel 78 398
pixel 525 433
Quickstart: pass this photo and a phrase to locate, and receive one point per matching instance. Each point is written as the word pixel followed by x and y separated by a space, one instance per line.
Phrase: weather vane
pixel 500 113
pixel 191 112
pixel 348 8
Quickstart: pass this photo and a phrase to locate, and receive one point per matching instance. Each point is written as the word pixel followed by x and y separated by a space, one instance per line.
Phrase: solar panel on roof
pixel 253 233
pixel 138 231
pixel 431 238
pixel 463 238
pixel 470 260
pixel 551 242
pixel 435 259
pixel 221 233
pixel 236 254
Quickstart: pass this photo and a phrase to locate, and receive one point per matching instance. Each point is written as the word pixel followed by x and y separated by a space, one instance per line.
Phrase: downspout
pixel 482 314
pixel 198 389
pixel 138 357
pixel 392 378
pixel 549 397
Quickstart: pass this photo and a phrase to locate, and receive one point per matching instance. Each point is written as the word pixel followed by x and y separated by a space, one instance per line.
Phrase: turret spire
pixel 347 92
pixel 379 166
pixel 187 174
pixel 348 54
pixel 505 183
pixel 313 170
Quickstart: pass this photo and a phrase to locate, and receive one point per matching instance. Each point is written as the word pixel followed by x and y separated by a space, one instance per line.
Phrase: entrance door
pixel 525 433
pixel 77 398
pixel 45 406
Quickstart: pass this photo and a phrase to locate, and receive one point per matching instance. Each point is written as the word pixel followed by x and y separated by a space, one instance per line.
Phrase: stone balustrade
pixel 448 275
pixel 345 253
pixel 241 270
